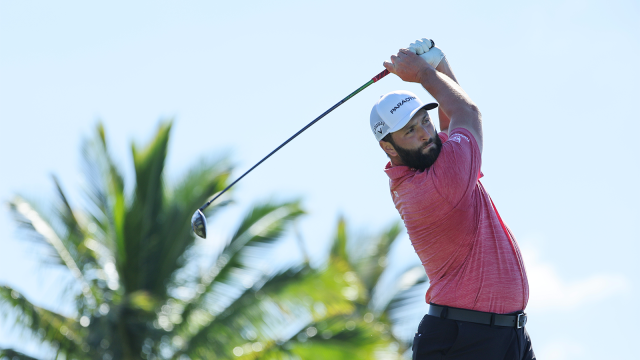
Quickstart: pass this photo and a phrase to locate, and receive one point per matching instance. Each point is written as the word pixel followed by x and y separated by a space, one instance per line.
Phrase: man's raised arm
pixel 454 102
pixel 443 119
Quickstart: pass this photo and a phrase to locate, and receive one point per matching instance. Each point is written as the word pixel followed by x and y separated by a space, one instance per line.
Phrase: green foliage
pixel 142 290
pixel 10 354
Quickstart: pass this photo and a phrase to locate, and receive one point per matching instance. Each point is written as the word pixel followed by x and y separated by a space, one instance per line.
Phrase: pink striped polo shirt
pixel 472 259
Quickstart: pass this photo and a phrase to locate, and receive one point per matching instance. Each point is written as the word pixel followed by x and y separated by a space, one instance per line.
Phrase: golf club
pixel 198 220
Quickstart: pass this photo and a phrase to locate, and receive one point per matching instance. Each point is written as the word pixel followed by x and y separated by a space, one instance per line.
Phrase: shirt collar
pixel 396 172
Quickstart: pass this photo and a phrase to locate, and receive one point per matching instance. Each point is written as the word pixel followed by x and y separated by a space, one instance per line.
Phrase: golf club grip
pixel 381 75
pixel 373 80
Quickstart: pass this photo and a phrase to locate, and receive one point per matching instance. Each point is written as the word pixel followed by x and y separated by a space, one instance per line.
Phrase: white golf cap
pixel 394 110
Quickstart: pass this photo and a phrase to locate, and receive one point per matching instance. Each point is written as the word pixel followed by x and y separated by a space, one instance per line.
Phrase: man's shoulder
pixel 459 148
pixel 461 136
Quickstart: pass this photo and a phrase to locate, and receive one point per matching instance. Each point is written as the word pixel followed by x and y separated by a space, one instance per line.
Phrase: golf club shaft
pixel 373 80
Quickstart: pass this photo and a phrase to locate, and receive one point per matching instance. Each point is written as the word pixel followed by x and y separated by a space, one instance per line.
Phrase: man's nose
pixel 424 134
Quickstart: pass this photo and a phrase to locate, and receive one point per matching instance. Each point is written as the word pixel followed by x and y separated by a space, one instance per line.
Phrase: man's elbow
pixel 474 111
pixel 467 116
pixel 475 124
pixel 471 113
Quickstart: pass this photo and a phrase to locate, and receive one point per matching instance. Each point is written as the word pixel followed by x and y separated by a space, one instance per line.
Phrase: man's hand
pixel 427 50
pixel 408 66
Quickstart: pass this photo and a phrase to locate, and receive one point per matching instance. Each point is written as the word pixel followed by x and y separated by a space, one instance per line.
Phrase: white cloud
pixel 549 291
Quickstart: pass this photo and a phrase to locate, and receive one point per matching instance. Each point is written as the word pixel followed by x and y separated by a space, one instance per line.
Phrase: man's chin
pixel 429 149
pixel 421 158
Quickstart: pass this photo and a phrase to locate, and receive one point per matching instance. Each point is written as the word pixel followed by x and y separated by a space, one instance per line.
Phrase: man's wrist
pixel 425 76
pixel 445 68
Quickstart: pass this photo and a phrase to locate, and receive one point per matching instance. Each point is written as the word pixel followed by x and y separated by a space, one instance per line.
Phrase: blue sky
pixel 556 82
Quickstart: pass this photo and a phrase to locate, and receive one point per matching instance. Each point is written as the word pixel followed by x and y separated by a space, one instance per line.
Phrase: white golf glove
pixel 427 50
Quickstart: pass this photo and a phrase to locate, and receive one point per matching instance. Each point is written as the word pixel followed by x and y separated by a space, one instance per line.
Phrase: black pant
pixel 450 339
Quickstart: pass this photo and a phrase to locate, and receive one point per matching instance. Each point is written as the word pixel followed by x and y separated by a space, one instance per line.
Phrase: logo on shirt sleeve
pixel 458 138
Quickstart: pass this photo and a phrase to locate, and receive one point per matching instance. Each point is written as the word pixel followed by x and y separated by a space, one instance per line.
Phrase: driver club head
pixel 199 224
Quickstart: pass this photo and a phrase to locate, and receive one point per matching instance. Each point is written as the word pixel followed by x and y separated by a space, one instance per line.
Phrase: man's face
pixel 417 144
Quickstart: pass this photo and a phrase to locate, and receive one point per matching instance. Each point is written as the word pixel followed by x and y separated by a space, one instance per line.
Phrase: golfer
pixel 478 283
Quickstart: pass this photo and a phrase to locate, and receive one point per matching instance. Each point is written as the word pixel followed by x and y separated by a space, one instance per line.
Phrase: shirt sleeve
pixel 457 169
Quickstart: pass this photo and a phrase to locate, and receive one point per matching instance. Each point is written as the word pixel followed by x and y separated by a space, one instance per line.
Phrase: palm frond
pixel 371 261
pixel 10 354
pixel 386 291
pixel 270 314
pixel 339 247
pixel 141 228
pixel 342 338
pixel 105 191
pixel 259 230
pixel 342 259
pixel 44 324
pixel 202 181
pixel 406 304
pixel 84 250
pixel 189 194
pixel 73 231
pixel 34 220
pixel 264 223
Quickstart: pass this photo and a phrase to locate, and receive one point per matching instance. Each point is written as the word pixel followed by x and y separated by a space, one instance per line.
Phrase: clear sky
pixel 556 81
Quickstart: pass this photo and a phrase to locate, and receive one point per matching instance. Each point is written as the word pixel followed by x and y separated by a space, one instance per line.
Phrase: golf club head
pixel 199 224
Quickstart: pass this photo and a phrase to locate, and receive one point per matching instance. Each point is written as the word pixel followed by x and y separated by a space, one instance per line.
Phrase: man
pixel 478 284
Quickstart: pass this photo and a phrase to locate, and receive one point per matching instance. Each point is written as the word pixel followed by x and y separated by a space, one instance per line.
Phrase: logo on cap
pixel 402 102
pixel 380 127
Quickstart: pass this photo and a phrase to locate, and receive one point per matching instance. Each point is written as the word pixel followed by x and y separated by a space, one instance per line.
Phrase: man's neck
pixel 396 161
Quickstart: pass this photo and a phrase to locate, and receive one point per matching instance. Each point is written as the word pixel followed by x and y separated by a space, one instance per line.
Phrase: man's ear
pixel 388 148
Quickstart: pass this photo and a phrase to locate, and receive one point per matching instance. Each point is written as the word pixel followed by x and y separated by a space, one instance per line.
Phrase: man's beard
pixel 414 158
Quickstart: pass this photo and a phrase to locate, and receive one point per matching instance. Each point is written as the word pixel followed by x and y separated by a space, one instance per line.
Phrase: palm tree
pixel 131 255
pixel 143 290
